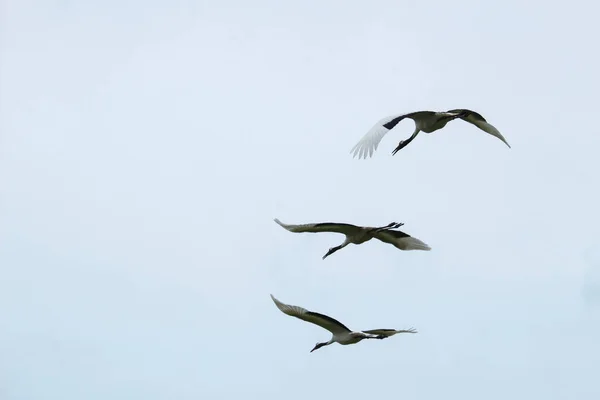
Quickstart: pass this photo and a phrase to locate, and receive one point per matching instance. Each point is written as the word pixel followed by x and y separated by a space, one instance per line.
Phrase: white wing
pixel 389 332
pixel 346 229
pixel 332 325
pixel 370 141
pixel 401 240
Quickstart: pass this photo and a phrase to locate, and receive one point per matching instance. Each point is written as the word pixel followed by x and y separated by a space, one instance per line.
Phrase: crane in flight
pixel 426 121
pixel 360 234
pixel 340 333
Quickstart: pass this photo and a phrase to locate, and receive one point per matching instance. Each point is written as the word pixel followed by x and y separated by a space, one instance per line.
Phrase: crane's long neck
pixel 334 249
pixel 319 345
pixel 406 142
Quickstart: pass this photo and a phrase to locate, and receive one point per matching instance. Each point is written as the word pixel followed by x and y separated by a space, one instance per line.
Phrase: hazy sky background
pixel 146 146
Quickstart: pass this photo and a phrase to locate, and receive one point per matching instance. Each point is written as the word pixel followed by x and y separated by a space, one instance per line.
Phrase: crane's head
pixel 334 249
pixel 331 251
pixel 319 345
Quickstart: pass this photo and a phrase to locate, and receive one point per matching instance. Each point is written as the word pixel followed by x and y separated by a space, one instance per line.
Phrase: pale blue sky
pixel 145 148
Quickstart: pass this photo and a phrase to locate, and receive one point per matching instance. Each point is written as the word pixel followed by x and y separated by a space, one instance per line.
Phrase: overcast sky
pixel 146 146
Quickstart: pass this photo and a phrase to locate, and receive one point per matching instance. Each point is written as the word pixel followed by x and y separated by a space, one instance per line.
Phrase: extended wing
pixel 401 240
pixel 388 332
pixel 346 229
pixel 370 141
pixel 332 325
pixel 480 122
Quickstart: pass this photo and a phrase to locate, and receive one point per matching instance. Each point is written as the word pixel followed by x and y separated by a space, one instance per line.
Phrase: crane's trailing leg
pixel 463 114
pixel 374 337
pixel 396 225
pixel 453 117
pixel 392 225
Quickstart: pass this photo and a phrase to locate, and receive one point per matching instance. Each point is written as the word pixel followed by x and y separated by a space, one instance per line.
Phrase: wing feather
pixel 388 332
pixel 370 141
pixel 332 325
pixel 401 240
pixel 346 229
pixel 477 119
